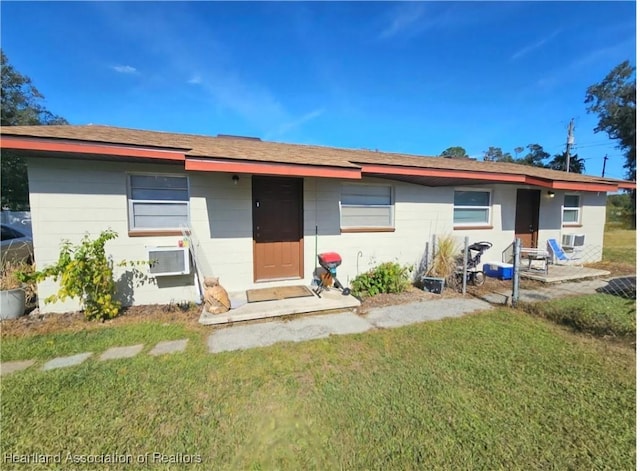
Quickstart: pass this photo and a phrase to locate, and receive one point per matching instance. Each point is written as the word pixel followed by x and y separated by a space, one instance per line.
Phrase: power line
pixel 593 145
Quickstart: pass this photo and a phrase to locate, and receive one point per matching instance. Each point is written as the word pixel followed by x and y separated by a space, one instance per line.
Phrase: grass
pixel 44 347
pixel 597 314
pixel 498 390
pixel 620 246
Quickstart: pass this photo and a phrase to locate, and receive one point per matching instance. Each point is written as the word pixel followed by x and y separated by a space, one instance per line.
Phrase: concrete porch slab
pixel 559 273
pixel 331 300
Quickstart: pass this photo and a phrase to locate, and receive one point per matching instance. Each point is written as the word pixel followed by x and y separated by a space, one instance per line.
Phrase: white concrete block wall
pixel 592 219
pixel 414 222
pixel 72 197
pixel 69 198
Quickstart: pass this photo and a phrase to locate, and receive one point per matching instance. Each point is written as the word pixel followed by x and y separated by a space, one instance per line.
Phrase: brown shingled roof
pixel 274 152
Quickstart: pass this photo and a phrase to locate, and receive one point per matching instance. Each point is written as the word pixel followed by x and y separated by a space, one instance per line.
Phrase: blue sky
pixel 401 77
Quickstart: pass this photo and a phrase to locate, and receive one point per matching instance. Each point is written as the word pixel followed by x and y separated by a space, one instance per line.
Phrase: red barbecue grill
pixel 330 261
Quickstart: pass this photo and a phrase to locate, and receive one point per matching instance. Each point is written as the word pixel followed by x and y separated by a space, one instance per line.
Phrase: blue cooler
pixel 500 270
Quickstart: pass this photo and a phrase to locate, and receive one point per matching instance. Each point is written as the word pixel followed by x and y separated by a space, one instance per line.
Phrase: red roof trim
pixel 489 177
pixel 442 173
pixel 264 168
pixel 20 143
pixel 627 185
pixel 583 186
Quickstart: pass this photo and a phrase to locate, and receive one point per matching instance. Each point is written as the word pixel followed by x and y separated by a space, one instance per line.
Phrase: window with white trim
pixel 366 206
pixel 471 207
pixel 571 209
pixel 158 202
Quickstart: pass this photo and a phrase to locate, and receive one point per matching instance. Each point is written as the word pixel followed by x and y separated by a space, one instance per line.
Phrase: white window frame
pixel 489 208
pixel 391 206
pixel 131 201
pixel 576 209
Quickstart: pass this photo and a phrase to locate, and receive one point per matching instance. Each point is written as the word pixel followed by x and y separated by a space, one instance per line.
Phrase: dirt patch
pixel 38 324
pixel 412 295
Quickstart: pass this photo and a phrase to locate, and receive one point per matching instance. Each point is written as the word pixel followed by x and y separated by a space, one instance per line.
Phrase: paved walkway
pixel 245 336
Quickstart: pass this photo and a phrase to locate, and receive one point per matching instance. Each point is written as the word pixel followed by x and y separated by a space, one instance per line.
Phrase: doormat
pixel 281 292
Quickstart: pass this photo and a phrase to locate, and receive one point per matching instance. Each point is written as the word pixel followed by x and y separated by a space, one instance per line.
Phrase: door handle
pixel 530 227
pixel 257 204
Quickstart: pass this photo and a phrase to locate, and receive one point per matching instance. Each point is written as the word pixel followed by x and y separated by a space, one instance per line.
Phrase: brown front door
pixel 277 228
pixel 527 217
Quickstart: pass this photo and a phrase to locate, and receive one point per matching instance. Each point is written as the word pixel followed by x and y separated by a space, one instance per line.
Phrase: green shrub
pixel 596 314
pixel 389 277
pixel 85 273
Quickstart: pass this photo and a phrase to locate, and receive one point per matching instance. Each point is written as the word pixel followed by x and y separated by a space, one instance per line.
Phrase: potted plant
pixel 443 266
pixel 13 292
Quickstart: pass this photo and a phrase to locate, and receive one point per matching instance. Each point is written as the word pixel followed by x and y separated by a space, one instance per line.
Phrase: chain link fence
pixel 566 271
pixel 542 275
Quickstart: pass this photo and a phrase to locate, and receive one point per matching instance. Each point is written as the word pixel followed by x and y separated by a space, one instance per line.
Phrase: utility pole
pixel 604 164
pixel 569 143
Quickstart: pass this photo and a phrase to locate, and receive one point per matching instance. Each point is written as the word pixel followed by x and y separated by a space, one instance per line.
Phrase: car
pixel 17 245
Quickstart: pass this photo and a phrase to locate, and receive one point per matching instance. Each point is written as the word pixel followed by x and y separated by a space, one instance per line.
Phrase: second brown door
pixel 527 217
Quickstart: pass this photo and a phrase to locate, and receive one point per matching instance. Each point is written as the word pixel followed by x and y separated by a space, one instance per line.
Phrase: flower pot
pixel 12 303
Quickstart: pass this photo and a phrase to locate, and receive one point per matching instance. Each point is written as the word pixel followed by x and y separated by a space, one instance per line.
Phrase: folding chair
pixel 558 255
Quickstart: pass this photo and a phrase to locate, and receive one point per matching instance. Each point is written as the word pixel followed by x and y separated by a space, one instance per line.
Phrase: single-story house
pixel 258 212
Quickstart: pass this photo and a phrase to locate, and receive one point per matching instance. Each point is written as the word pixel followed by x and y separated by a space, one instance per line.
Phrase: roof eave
pixel 271 168
pixel 70 147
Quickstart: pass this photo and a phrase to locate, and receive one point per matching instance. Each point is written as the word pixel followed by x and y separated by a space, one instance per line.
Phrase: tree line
pixel 536 156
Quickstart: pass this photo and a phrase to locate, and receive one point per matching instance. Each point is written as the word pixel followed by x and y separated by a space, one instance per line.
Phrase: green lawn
pixel 597 314
pixel 498 390
pixel 620 246
pixel 97 340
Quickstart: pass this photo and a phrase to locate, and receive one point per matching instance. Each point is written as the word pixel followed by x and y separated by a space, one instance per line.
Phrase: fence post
pixel 465 259
pixel 433 246
pixel 516 272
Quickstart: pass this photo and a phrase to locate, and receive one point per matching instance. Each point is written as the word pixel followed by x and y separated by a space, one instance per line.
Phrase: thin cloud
pixel 604 53
pixel 532 47
pixel 288 126
pixel 406 19
pixel 195 80
pixel 125 69
pixel 223 85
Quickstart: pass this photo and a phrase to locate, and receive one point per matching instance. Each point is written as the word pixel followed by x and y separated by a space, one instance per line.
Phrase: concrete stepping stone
pixel 172 346
pixel 63 362
pixel 11 366
pixel 121 352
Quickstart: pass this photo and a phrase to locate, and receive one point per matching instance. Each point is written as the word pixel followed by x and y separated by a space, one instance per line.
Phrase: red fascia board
pixel 490 177
pixel 571 186
pixel 19 143
pixel 268 168
pixel 627 185
pixel 442 173
pixel 583 186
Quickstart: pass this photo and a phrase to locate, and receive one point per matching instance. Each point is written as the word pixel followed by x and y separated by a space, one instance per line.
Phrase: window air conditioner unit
pixel 573 240
pixel 168 261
